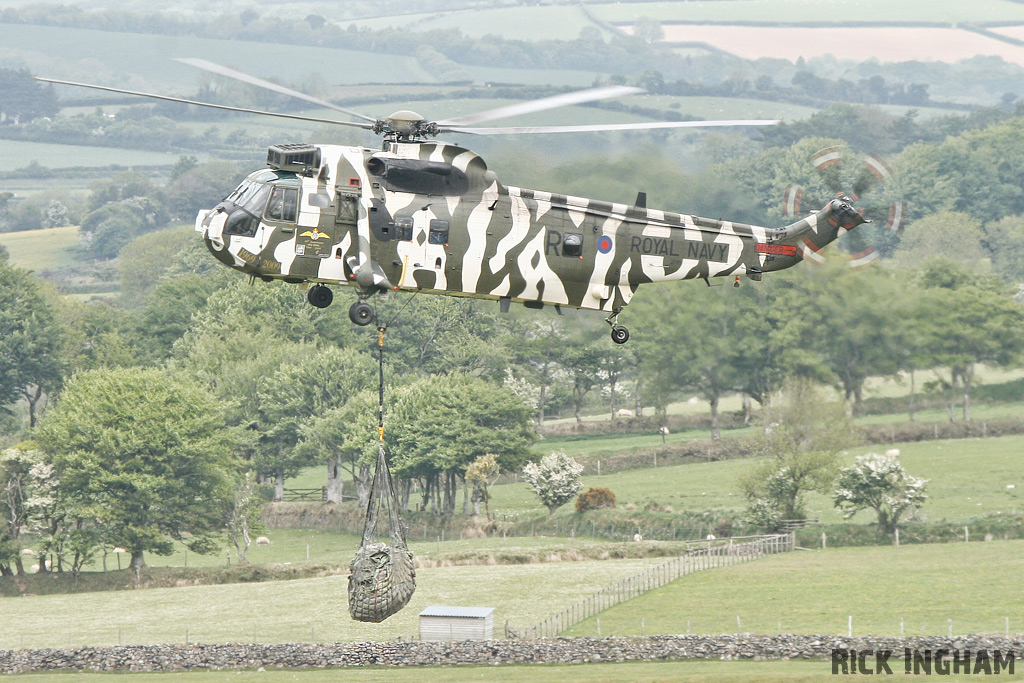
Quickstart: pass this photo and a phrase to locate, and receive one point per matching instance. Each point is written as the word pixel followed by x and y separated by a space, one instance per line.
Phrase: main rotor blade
pixel 544 104
pixel 365 126
pixel 529 130
pixel 267 85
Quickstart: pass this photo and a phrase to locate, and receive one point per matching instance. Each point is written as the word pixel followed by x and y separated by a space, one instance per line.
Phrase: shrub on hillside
pixel 594 498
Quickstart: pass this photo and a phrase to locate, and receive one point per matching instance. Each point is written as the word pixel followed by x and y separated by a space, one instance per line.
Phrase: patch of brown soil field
pixel 887 44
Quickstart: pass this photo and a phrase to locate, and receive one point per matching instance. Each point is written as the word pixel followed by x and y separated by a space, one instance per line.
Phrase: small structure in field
pixel 441 622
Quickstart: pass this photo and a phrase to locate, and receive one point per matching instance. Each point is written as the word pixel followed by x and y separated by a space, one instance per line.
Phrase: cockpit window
pixel 283 204
pixel 249 202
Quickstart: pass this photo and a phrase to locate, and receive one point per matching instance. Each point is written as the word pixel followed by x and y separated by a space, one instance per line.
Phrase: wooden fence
pixel 705 555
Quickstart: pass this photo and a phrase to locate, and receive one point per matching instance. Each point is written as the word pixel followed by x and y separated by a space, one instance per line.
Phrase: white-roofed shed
pixel 443 622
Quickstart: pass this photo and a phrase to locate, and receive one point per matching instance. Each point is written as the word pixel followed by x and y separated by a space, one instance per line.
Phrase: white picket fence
pixel 703 555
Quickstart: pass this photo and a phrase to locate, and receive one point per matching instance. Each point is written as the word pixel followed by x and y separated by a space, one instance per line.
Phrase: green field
pixel 299 610
pixel 299 546
pixel 693 671
pixel 974 585
pixel 48 249
pixel 967 478
pixel 17 155
pixel 99 56
pixel 560 22
pixel 977 585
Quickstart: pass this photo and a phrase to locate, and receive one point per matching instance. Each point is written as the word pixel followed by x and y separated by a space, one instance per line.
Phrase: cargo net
pixel 383 577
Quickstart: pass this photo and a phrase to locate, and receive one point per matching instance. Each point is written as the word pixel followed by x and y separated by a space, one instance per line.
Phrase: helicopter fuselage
pixel 430 216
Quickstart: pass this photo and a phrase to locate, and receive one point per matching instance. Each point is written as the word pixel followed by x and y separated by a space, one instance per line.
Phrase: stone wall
pixel 544 651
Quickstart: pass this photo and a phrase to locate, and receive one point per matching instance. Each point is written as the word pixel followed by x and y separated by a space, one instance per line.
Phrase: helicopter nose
pixel 201 221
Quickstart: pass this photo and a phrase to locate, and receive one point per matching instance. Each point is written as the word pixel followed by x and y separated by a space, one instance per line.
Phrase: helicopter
pixel 422 215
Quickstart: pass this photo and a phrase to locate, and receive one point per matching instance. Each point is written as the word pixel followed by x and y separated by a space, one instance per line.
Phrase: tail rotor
pixel 859 195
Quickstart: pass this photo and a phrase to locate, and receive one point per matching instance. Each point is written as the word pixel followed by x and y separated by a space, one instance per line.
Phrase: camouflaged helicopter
pixel 420 215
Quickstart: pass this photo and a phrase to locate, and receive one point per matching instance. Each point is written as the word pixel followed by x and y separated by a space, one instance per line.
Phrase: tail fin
pixel 822 227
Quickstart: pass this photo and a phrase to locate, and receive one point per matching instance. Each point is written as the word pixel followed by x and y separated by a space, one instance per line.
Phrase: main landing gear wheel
pixel 620 335
pixel 320 296
pixel 361 313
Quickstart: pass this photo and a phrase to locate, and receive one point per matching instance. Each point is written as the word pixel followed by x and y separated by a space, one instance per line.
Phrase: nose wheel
pixel 320 296
pixel 620 335
pixel 361 313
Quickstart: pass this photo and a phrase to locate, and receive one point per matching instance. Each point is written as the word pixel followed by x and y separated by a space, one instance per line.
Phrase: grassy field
pixel 967 477
pixel 299 610
pixel 627 672
pixel 299 546
pixel 560 22
pixel 48 249
pixel 20 154
pixel 98 56
pixel 976 585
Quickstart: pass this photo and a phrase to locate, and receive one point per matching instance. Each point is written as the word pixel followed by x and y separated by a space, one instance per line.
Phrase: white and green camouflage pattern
pixel 374 219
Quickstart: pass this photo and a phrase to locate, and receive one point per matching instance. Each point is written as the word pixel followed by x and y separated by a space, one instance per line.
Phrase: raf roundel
pixel 604 245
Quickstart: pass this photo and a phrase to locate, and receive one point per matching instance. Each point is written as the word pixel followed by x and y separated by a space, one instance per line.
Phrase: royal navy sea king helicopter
pixel 421 215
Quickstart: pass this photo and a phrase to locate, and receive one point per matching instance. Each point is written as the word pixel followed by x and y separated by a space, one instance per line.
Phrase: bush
pixel 594 498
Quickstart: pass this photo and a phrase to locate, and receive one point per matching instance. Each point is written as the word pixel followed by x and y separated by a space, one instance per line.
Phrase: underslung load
pixel 383 576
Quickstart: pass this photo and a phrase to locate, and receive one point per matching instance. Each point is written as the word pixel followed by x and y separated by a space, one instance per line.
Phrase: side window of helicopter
pixel 572 244
pixel 283 204
pixel 241 223
pixel 403 228
pixel 438 232
pixel 249 202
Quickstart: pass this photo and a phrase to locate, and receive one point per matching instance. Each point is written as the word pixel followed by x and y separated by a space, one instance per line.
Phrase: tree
pixel 245 515
pixel 949 235
pixel 648 30
pixel 122 186
pixel 147 456
pixel 555 479
pixel 1004 241
pixel 23 99
pixel 479 474
pixel 700 338
pixel 152 259
pixel 962 320
pixel 832 328
pixel 15 482
pixel 169 313
pixel 95 336
pixel 346 438
pixel 193 188
pixel 109 228
pixel 581 362
pixel 446 423
pixel 804 432
pixel 318 380
pixel 880 483
pixel 32 501
pixel 541 350
pixel 30 342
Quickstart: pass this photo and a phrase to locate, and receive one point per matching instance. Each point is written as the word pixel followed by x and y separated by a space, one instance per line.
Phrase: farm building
pixel 440 622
